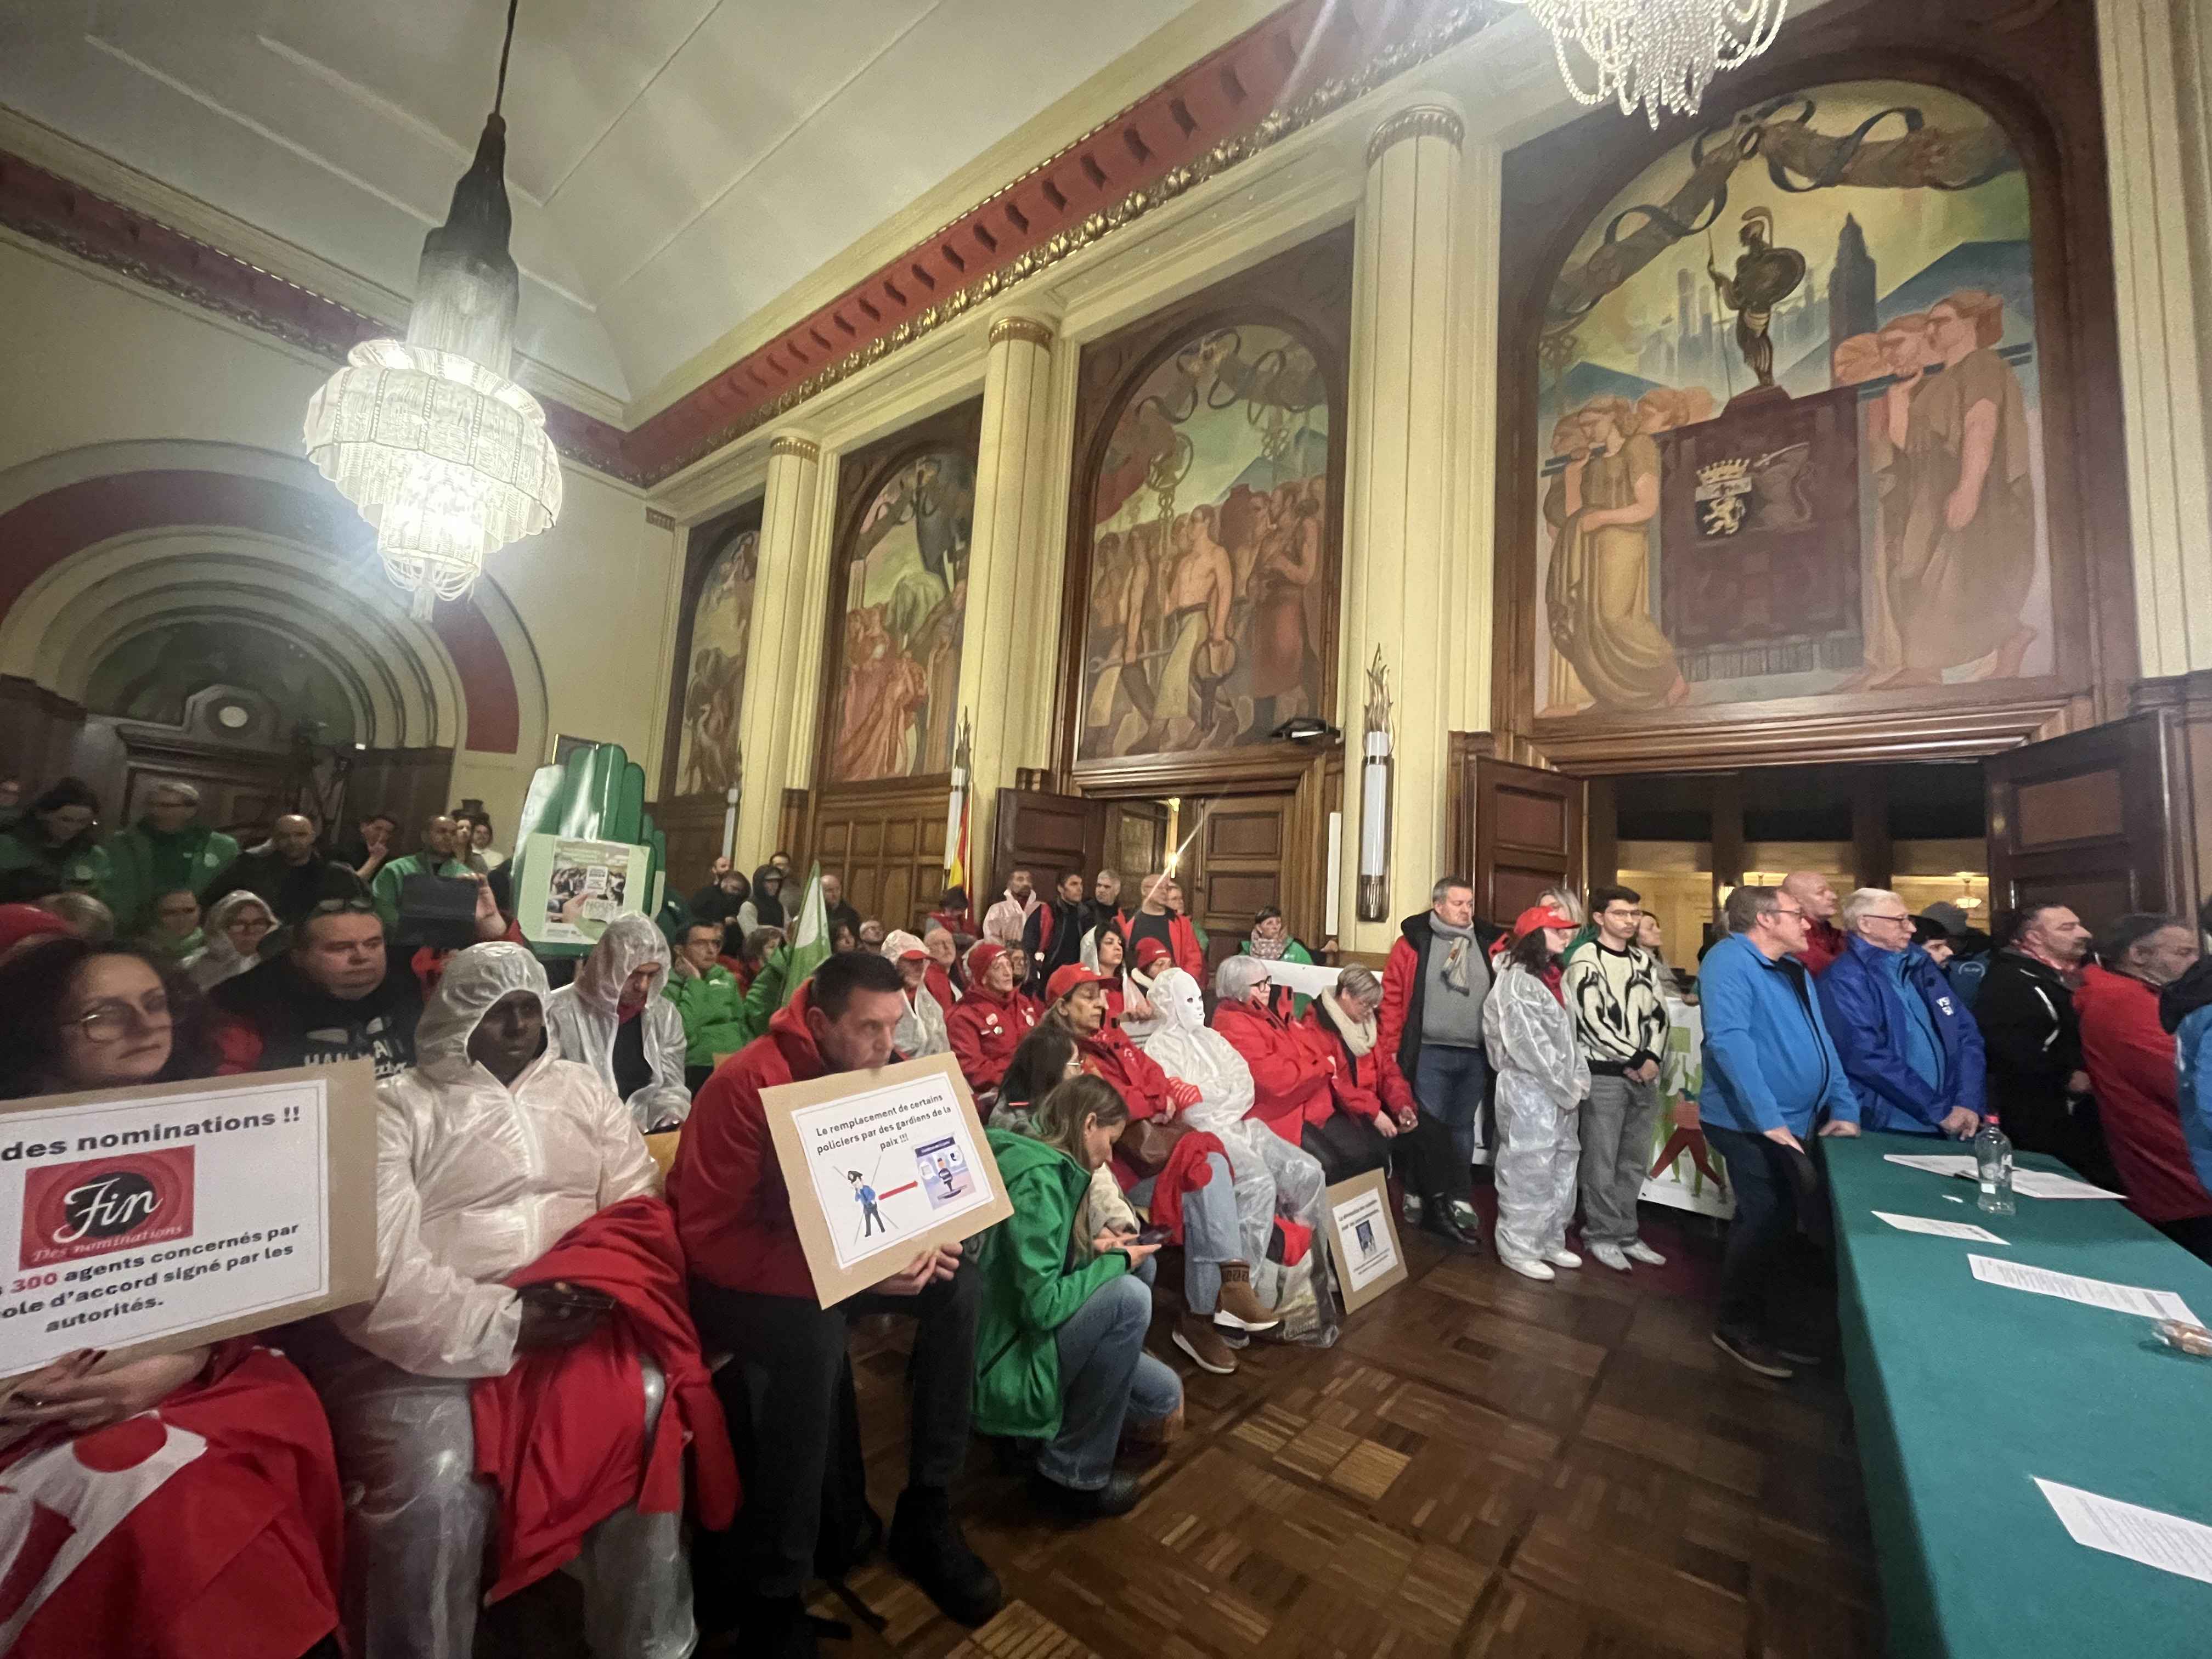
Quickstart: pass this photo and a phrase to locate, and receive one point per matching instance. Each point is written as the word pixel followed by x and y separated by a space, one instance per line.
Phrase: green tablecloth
pixel 1964 1392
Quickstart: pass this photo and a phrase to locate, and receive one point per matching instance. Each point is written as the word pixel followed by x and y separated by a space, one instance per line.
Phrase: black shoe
pixel 775 1627
pixel 1117 1497
pixel 1753 1354
pixel 926 1545
pixel 1458 1224
pixel 1802 1351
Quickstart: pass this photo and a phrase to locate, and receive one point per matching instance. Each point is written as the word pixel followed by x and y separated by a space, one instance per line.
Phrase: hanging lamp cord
pixel 506 47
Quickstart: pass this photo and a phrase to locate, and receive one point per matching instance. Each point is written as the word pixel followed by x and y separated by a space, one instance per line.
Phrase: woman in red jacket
pixel 1355 1136
pixel 1290 1076
pixel 987 1024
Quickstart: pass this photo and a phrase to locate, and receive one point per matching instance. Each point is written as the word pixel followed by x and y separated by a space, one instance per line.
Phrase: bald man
pixel 291 874
pixel 439 855
pixel 1824 941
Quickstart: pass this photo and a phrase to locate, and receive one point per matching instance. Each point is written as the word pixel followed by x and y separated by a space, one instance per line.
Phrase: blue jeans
pixel 1449 1084
pixel 1210 1234
pixel 1105 1377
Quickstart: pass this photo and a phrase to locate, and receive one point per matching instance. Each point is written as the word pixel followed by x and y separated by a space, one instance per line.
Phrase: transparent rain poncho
pixel 1272 1175
pixel 584 1016
pixel 1541 1080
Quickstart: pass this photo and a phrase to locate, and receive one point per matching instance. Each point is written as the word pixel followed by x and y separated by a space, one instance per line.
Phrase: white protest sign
pixel 1364 1238
pixel 156 1218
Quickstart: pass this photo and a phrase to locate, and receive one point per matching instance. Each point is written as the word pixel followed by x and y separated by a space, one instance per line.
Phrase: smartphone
pixel 568 1298
pixel 1151 1236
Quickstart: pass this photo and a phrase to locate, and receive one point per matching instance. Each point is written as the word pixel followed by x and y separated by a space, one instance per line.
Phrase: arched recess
pixel 98 543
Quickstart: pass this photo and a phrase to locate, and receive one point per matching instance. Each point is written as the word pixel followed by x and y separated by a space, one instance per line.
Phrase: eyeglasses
pixel 1793 915
pixel 113 1020
pixel 1884 915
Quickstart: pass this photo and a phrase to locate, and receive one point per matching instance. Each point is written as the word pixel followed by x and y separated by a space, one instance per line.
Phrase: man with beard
pixel 1052 937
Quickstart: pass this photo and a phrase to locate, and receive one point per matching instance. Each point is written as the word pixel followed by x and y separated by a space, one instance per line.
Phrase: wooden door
pixel 1528 836
pixel 2081 821
pixel 1233 869
pixel 1046 835
pixel 1136 840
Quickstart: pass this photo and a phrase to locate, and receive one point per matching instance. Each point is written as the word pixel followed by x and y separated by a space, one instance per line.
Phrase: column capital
pixel 790 444
pixel 1015 326
pixel 1423 120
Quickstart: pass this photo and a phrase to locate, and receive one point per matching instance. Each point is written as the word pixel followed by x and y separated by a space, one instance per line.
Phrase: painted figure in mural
pixel 1899 350
pixel 1964 557
pixel 1290 564
pixel 882 688
pixel 714 694
pixel 1598 591
pixel 1195 603
pixel 1764 276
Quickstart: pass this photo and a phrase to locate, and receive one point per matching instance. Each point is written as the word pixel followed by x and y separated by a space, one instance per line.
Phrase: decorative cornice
pixel 1021 328
pixel 658 519
pixel 1157 150
pixel 805 449
pixel 1421 121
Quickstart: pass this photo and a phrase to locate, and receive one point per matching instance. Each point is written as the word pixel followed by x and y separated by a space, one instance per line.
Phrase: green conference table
pixel 1964 1392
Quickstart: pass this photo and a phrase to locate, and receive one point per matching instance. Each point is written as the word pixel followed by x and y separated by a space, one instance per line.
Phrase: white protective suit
pixel 1542 1079
pixel 583 1016
pixel 921 1028
pixel 1272 1175
pixel 475 1178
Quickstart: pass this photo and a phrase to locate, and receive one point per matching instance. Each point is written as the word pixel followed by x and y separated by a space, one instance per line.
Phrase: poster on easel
pixel 880 1166
pixel 1685 1173
pixel 1362 1237
pixel 572 888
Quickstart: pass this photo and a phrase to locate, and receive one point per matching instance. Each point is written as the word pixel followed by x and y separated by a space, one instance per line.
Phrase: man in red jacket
pixel 2130 1058
pixel 1431 1025
pixel 753 1296
pixel 1816 897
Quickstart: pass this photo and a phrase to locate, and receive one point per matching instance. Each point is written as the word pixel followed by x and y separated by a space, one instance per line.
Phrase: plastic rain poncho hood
pixel 586 1017
pixel 475 1178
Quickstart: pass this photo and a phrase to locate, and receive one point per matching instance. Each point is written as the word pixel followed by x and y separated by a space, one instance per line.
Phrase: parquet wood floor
pixel 1482 1468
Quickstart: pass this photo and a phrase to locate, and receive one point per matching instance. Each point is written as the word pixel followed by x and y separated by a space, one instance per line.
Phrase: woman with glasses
pixel 230 1543
pixel 236 924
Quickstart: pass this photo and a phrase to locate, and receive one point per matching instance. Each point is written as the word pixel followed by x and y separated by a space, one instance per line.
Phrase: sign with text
pixel 1363 1236
pixel 881 1166
pixel 147 1220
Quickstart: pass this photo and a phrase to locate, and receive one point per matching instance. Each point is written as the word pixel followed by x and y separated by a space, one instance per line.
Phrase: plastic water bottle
pixel 1993 1161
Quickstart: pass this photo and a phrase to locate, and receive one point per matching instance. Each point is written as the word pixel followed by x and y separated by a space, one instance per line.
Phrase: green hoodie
pixel 1029 1290
pixel 714 1021
pixel 144 864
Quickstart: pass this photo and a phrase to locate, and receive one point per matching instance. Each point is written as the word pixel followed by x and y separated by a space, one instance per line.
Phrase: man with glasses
pixel 1908 1044
pixel 1772 1075
pixel 1611 986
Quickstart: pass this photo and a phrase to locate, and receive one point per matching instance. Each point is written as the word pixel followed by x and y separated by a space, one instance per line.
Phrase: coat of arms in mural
pixel 1819 470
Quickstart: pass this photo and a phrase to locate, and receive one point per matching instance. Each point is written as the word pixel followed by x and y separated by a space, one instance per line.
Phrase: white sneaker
pixel 1639 1251
pixel 1610 1255
pixel 1526 1269
pixel 1563 1257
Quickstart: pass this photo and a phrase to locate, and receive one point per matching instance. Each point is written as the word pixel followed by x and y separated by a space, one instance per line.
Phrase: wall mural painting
pixel 707 756
pixel 1788 383
pixel 906 596
pixel 152 676
pixel 1210 562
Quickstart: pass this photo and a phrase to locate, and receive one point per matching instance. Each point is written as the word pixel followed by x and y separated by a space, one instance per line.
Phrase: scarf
pixel 1358 1034
pixel 1268 950
pixel 1459 946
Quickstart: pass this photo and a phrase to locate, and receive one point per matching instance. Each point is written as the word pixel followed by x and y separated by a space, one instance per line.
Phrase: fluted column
pixel 2156 78
pixel 1398 521
pixel 1010 652
pixel 779 689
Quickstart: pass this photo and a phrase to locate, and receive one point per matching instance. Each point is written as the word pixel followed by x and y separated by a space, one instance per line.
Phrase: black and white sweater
pixel 1618 1004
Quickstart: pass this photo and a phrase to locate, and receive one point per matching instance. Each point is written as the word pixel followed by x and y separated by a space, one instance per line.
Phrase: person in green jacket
pixel 706 993
pixel 167 849
pixel 438 856
pixel 1060 1346
pixel 1270 941
pixel 53 847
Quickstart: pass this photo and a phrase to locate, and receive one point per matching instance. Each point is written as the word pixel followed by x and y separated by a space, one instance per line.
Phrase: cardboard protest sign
pixel 1362 1237
pixel 881 1166
pixel 571 888
pixel 150 1219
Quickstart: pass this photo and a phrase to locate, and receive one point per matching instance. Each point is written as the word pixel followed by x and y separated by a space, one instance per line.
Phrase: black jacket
pixel 2032 1043
pixel 1420 936
pixel 297 1022
pixel 289 890
pixel 1052 939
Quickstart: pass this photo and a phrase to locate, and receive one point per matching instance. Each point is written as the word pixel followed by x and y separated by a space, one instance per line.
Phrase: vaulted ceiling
pixel 675 165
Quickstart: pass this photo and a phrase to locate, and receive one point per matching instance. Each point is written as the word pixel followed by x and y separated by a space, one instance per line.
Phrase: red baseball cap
pixel 1539 915
pixel 1150 951
pixel 1068 980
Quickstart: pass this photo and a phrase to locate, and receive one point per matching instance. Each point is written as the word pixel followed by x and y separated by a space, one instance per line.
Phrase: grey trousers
pixel 1616 1122
pixel 418 1520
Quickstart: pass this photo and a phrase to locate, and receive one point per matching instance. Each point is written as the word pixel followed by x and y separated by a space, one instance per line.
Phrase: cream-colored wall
pixel 91 360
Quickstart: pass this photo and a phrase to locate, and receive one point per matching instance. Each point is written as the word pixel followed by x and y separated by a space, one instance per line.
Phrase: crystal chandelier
pixel 1656 53
pixel 428 436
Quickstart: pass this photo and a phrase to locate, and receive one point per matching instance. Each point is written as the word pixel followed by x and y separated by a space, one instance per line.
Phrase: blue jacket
pixel 1866 1020
pixel 1770 1063
pixel 2192 1048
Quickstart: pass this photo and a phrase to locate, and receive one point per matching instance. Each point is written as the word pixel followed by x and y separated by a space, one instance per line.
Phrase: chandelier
pixel 428 436
pixel 1656 53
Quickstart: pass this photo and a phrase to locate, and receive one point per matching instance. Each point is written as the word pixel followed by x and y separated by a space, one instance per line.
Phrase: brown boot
pixel 1194 1334
pixel 1239 1303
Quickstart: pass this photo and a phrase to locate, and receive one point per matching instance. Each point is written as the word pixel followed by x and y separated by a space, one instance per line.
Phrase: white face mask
pixel 1176 999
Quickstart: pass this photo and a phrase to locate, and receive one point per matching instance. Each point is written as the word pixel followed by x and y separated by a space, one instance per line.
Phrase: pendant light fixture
pixel 428 436
pixel 1654 53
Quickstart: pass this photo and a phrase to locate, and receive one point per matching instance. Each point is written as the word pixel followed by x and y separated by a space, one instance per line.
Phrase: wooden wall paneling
pixel 1045 834
pixel 1528 836
pixel 38 732
pixel 2031 66
pixel 791 831
pixel 410 784
pixel 693 827
pixel 1306 291
pixel 2185 702
pixel 2082 820
pixel 1136 839
pixel 1602 835
pixel 885 840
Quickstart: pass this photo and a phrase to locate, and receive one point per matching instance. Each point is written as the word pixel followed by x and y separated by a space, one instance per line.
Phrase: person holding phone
pixel 1060 1350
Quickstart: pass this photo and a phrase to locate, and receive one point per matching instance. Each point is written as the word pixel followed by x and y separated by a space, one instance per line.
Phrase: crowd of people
pixel 570 1362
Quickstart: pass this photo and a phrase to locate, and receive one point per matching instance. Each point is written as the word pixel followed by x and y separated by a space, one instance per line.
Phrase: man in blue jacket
pixel 1771 1076
pixel 1909 1046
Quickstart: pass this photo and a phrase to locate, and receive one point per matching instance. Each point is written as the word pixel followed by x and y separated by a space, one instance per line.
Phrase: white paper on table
pixel 1921 1224
pixel 2041 1183
pixel 2092 1293
pixel 1942 1164
pixel 2150 1536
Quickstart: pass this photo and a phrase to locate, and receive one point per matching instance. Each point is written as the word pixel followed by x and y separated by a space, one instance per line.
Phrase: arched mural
pixel 1211 564
pixel 152 675
pixel 1790 417
pixel 712 686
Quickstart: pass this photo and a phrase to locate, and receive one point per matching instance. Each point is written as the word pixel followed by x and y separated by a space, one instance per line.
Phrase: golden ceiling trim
pixel 805 449
pixel 1021 328
pixel 1422 121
